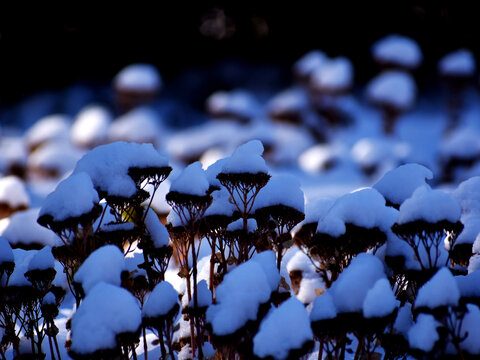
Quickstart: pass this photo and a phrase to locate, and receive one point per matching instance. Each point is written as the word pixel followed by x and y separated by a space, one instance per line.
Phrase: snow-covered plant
pixel 158 314
pixel 13 196
pixel 427 221
pixel 457 69
pixel 356 222
pixel 397 51
pixel 279 207
pixel 117 173
pixel 394 92
pixel 189 199
pixel 243 175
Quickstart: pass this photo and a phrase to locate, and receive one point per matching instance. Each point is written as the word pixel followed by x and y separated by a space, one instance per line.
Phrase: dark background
pixel 57 47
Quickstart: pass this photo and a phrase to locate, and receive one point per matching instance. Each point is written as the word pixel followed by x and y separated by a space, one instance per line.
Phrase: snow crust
pixel 157 230
pixel 238 225
pixel 470 330
pixel 221 205
pixel 323 308
pixel 275 339
pixel 42 260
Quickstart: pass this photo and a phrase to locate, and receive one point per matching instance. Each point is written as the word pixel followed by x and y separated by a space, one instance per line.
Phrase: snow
pixel 398 184
pixel 247 158
pixel 237 103
pixel 309 287
pixel 335 75
pixel 267 261
pixel 276 340
pixel 213 170
pixel 429 205
pixel 471 228
pixel 241 293
pixel 73 197
pixel 476 245
pixel 468 195
pixel 380 300
pixel 423 334
pixel 283 189
pixel 399 50
pixel 106 311
pixel 141 124
pixel 90 127
pixel 157 230
pixel 191 181
pixel 440 290
pixel 365 208
pixel 42 260
pixel 370 152
pixel 49 299
pixel 22 259
pixel 404 320
pixel 13 192
pixel 221 204
pixel 12 152
pixel 310 62
pixel 160 301
pixel 290 101
pixel 138 77
pixel 462 143
pixel 108 165
pixel 470 330
pixel 22 229
pixel 49 128
pixel 457 63
pixel 204 295
pixel 103 265
pixel 6 253
pixel 323 308
pixel 57 156
pixel 474 264
pixel 352 286
pixel 393 88
pixel 238 225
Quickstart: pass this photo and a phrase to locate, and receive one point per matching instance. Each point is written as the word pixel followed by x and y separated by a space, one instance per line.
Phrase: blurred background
pixel 200 47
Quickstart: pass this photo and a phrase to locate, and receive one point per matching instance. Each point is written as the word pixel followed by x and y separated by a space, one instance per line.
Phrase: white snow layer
pixel 380 300
pixel 281 190
pixel 42 260
pixel 73 197
pixel 6 253
pixel 22 228
pixel 52 127
pixel 423 334
pixel 247 158
pixel 191 181
pixel 398 184
pixel 90 127
pixel 157 230
pixel 323 308
pixel 365 208
pixel 160 301
pixel 107 311
pixel 108 165
pixel 335 75
pixel 238 225
pixel 440 290
pixel 140 124
pixel 310 62
pixel 471 331
pixel 398 49
pixel 457 63
pixel 429 205
pixel 138 77
pixel 13 192
pixel 394 88
pixel 241 293
pixel 103 265
pixel 277 340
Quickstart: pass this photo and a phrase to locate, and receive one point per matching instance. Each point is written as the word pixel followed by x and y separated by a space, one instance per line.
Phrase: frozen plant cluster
pixel 311 222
